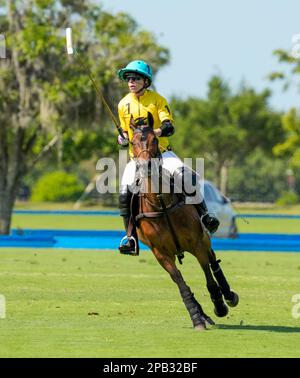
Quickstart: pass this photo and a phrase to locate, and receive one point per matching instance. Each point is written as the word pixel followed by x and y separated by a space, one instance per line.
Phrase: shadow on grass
pixel 280 329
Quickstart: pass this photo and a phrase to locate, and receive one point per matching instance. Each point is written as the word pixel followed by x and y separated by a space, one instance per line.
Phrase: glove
pixel 124 142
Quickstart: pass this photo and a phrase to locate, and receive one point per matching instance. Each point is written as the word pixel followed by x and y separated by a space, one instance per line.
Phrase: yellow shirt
pixel 136 107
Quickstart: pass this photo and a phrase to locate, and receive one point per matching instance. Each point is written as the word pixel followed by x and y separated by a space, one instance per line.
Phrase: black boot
pixel 131 246
pixel 188 185
pixel 210 222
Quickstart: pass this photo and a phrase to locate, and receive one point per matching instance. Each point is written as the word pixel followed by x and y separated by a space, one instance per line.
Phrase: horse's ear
pixel 150 120
pixel 132 123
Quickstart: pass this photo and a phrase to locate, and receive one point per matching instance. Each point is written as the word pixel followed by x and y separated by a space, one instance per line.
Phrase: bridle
pixel 145 150
pixel 144 131
pixel 142 166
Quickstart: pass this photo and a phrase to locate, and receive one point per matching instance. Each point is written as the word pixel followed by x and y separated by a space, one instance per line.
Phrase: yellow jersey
pixel 136 107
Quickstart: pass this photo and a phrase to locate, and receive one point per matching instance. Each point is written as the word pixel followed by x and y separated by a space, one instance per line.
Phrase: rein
pixel 145 150
pixel 163 210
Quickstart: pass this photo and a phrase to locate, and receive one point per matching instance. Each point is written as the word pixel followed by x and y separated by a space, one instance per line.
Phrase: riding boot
pixel 130 247
pixel 209 221
pixel 189 180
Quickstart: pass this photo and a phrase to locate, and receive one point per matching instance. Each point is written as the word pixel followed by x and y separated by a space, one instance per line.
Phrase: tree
pixel 291 146
pixel 292 63
pixel 257 178
pixel 225 127
pixel 43 94
pixel 290 121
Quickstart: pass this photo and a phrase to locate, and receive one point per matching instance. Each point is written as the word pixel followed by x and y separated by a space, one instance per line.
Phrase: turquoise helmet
pixel 137 66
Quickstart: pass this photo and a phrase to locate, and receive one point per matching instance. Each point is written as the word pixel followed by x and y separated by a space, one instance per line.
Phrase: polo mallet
pixel 71 50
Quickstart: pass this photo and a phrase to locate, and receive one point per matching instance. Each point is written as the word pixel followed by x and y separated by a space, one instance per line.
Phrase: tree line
pixel 51 119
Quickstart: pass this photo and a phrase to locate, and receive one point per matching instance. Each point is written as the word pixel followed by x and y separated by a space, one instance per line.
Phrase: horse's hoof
pixel 200 327
pixel 234 300
pixel 221 310
pixel 209 322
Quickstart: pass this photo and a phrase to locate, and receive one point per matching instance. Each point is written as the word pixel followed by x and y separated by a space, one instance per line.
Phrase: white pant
pixel 170 162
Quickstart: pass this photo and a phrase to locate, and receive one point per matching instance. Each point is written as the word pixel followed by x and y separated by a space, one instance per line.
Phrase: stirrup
pixel 129 252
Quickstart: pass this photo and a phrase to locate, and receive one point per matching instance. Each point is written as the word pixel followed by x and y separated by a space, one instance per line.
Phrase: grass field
pixel 263 208
pixel 89 303
pixel 66 303
pixel 97 222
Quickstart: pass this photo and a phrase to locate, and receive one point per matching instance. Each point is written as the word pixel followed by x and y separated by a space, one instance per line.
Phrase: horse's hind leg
pixel 232 299
pixel 195 310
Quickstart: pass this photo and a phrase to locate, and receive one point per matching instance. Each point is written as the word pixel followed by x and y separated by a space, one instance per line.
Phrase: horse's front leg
pixel 214 290
pixel 196 313
pixel 232 299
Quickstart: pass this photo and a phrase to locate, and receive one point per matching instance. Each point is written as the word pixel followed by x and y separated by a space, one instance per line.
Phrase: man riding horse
pixel 142 106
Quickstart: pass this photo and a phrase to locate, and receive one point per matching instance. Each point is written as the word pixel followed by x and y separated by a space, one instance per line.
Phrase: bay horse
pixel 170 227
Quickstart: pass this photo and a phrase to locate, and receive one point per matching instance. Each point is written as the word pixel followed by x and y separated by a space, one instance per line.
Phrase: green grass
pixel 267 209
pixel 269 225
pixel 68 222
pixel 137 308
pixel 97 222
pixel 259 208
pixel 28 205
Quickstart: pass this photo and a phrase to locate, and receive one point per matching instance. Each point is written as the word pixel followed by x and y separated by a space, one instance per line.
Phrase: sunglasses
pixel 133 78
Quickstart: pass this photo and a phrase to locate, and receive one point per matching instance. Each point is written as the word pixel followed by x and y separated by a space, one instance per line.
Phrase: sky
pixel 232 38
